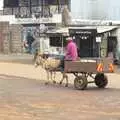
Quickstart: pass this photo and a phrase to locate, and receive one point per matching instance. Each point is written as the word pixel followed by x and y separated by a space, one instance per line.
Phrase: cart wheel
pixel 101 80
pixel 80 82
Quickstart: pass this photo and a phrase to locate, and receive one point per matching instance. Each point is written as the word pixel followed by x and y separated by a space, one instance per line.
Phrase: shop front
pixel 85 39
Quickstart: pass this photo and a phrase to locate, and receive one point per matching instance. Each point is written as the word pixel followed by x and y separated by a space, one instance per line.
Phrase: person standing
pixel 30 40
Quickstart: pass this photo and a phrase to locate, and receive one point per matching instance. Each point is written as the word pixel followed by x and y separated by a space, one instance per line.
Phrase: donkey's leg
pixel 54 73
pixel 51 75
pixel 47 77
pixel 66 76
pixel 63 77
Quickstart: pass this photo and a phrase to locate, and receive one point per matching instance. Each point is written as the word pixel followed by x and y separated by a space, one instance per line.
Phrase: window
pixel 56 2
pixel 112 43
pixel 34 2
pixel 11 3
pixel 57 41
pixel 24 2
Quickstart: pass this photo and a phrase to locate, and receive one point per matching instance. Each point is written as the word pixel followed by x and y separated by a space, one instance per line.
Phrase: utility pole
pixel 58 3
pixel 30 4
pixel 42 3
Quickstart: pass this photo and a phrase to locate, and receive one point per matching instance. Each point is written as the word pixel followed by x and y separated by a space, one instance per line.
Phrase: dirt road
pixel 23 96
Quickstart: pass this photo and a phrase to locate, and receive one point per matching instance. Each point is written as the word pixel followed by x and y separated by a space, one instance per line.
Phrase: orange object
pixel 100 67
pixel 111 67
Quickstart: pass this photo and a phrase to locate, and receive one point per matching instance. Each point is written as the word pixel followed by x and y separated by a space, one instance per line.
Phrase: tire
pixel 101 80
pixel 80 82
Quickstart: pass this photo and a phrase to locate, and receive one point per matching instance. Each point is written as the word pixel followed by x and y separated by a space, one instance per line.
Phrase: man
pixel 71 50
pixel 30 40
pixel 35 45
pixel 71 53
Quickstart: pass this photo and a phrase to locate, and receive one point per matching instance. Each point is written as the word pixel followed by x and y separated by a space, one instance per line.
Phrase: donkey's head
pixel 40 59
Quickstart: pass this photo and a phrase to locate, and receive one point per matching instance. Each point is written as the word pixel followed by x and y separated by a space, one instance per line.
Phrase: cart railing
pixel 92 65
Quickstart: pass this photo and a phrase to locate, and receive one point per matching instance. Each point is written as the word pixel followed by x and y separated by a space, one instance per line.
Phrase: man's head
pixel 69 39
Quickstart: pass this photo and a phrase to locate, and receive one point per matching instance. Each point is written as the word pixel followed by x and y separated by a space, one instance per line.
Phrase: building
pixel 96 9
pixel 37 8
pixel 37 17
pixel 44 19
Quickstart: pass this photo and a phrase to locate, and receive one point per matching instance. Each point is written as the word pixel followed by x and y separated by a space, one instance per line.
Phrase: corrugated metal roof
pixel 60 30
pixel 102 29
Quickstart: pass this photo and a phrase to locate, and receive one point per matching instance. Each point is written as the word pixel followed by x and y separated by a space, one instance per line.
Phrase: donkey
pixel 51 65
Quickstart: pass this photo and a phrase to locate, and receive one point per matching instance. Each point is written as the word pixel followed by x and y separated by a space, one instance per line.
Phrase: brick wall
pixel 4 30
pixel 16 38
pixel 10 38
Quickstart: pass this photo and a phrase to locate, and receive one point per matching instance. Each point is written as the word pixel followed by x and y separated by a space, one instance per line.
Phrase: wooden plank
pixel 78 66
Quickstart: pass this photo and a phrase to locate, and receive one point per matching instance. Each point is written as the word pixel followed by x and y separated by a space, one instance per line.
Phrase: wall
pixel 117 33
pixel 7 18
pixel 10 38
pixel 103 45
pixel 44 44
pixel 4 41
pixel 16 38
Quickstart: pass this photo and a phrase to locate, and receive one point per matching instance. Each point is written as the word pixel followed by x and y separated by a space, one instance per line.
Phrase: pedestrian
pixel 30 40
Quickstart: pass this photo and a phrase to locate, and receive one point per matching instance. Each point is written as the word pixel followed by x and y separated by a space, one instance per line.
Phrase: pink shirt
pixel 71 51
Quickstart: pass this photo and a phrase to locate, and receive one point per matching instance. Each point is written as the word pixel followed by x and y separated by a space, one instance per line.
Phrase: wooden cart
pixel 94 68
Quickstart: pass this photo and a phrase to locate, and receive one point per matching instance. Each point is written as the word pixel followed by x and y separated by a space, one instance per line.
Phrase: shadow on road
pixel 18 80
pixel 102 89
pixel 19 61
pixel 23 59
pixel 11 77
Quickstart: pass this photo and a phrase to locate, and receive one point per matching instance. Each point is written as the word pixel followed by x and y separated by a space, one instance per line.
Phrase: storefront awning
pixel 63 31
pixel 102 29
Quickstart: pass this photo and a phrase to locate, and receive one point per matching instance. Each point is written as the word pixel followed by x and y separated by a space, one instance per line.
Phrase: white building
pixel 96 9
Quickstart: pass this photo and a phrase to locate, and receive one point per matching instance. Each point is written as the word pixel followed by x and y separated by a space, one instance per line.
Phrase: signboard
pixel 98 39
pixel 83 31
pixel 57 18
pixel 43 28
pixel 32 20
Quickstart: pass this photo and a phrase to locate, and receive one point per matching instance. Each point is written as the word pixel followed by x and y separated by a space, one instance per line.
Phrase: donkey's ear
pixel 39 54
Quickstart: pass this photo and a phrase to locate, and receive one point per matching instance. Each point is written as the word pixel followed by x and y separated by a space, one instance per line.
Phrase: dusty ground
pixel 23 96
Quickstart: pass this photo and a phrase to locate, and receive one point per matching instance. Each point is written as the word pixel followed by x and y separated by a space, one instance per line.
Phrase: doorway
pixel 85 40
pixel 112 45
pixel 85 45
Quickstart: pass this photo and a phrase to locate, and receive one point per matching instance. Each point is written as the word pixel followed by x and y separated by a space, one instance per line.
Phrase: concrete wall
pixel 117 33
pixel 104 45
pixel 8 18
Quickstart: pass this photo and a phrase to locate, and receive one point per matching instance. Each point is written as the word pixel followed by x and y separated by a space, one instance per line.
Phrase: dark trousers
pixel 63 63
pixel 30 48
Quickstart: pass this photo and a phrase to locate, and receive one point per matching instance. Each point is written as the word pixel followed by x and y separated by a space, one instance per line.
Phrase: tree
pixel 66 17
